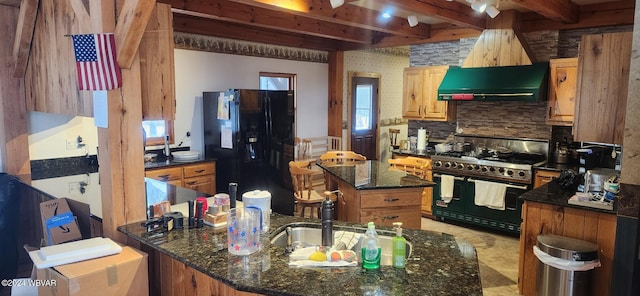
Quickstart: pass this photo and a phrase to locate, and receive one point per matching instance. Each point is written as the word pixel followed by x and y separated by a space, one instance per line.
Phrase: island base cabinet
pixel 175 278
pixel 382 206
pixel 587 225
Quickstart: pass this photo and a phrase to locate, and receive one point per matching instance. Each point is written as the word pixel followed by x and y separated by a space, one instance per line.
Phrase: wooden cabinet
pixel 427 192
pixel 588 225
pixel 157 77
pixel 563 76
pixel 420 94
pixel 199 177
pixel 603 79
pixel 544 176
pixel 382 206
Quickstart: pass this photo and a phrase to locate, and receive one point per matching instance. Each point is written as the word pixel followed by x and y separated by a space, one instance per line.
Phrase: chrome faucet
pixel 327 218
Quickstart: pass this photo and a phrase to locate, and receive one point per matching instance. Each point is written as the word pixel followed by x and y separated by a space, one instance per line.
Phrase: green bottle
pixel 399 247
pixel 371 251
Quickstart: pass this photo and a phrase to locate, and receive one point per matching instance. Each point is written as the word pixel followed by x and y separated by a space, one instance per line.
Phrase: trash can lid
pixel 567 248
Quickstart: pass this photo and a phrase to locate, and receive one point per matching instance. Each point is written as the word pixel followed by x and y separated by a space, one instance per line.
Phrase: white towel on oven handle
pixel 446 187
pixel 490 194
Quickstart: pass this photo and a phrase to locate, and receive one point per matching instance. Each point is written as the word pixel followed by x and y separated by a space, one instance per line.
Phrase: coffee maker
pixel 592 156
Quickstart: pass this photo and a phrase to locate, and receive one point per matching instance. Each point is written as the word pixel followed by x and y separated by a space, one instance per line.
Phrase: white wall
pixel 48 135
pixel 196 72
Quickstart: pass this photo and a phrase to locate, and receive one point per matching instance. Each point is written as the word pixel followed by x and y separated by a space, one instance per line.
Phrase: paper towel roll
pixel 422 139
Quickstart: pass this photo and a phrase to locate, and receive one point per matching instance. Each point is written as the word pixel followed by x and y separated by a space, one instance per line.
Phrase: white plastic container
pixel 260 199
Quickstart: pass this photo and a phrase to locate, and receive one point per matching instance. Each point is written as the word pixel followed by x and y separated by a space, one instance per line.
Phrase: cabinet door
pixel 603 80
pixel 433 109
pixel 562 91
pixel 204 184
pixel 412 93
pixel 427 202
pixel 165 175
pixel 544 177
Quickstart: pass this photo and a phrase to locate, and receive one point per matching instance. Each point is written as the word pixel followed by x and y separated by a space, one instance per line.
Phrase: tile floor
pixel 497 256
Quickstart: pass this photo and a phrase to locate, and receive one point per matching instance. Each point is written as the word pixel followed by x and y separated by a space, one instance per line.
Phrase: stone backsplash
pixel 503 119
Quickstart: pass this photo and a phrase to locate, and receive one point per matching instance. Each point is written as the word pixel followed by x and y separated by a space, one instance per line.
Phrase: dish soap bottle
pixel 399 247
pixel 371 248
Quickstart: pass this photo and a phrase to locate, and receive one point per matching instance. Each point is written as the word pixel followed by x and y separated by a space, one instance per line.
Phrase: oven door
pixel 513 205
pixel 457 204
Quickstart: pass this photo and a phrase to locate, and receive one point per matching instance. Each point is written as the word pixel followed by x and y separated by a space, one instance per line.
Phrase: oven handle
pixel 455 178
pixel 508 185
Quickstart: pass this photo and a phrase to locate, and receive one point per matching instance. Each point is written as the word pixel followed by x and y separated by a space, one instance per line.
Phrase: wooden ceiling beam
pixel 439 33
pixel 270 19
pixel 350 15
pixel 557 10
pixel 453 12
pixel 130 26
pixel 613 13
pixel 210 27
pixel 23 36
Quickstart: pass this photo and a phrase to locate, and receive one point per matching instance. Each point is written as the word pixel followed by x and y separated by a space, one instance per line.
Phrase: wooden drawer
pixel 204 184
pixel 410 217
pixel 199 169
pixel 165 174
pixel 391 198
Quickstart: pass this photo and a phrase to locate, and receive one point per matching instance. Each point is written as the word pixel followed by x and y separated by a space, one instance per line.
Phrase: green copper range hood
pixel 507 83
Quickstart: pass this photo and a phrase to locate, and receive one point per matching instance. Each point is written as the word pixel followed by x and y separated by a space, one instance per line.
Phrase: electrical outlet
pixel 72 143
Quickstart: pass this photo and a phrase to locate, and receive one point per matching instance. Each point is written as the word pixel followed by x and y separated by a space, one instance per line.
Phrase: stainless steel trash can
pixel 564 265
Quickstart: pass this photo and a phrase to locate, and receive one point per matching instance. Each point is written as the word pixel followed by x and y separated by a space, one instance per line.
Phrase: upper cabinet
pixel 51 81
pixel 420 94
pixel 157 76
pixel 603 79
pixel 562 91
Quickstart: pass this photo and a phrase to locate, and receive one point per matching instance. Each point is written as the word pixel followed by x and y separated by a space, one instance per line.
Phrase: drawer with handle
pixel 165 174
pixel 410 217
pixel 202 169
pixel 391 198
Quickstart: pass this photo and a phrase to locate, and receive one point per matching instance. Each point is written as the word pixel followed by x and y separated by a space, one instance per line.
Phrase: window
pixel 155 131
pixel 277 81
pixel 363 110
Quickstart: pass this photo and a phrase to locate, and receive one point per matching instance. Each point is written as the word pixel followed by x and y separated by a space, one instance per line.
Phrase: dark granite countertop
pixel 440 264
pixel 552 193
pixel 551 166
pixel 373 174
pixel 172 163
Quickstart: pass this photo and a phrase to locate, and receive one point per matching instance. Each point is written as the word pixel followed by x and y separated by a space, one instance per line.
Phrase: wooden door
pixel 364 116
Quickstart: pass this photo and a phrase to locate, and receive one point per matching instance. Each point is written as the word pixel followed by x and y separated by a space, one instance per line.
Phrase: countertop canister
pixel 260 199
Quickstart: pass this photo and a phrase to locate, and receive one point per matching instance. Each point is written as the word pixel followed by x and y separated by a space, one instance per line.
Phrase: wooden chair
pixel 341 156
pixel 393 137
pixel 303 192
pixel 416 166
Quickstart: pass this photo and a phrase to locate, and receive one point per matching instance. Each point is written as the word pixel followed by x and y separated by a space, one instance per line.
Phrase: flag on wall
pixel 96 61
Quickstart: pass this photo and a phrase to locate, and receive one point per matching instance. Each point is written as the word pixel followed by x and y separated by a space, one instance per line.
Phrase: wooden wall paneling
pixel 132 19
pixel 157 66
pixel 574 221
pixel 606 241
pixel 50 78
pixel 529 264
pixel 14 123
pixel 335 95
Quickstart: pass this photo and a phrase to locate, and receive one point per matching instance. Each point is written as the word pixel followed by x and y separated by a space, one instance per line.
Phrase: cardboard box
pixel 125 273
pixel 63 226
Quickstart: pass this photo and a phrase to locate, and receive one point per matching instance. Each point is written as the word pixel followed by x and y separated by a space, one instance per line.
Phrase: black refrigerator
pixel 251 134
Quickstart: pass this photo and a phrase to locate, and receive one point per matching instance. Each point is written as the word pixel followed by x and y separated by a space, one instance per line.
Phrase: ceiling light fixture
pixel 492 11
pixel 413 20
pixel 336 3
pixel 479 6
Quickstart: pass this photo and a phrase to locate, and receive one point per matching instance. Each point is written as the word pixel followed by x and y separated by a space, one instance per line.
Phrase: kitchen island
pixel 373 191
pixel 546 211
pixel 196 262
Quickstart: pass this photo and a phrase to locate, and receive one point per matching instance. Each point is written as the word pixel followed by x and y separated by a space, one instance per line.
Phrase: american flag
pixel 96 61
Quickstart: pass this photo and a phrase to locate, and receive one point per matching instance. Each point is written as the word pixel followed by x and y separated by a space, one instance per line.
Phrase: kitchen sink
pixel 310 234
